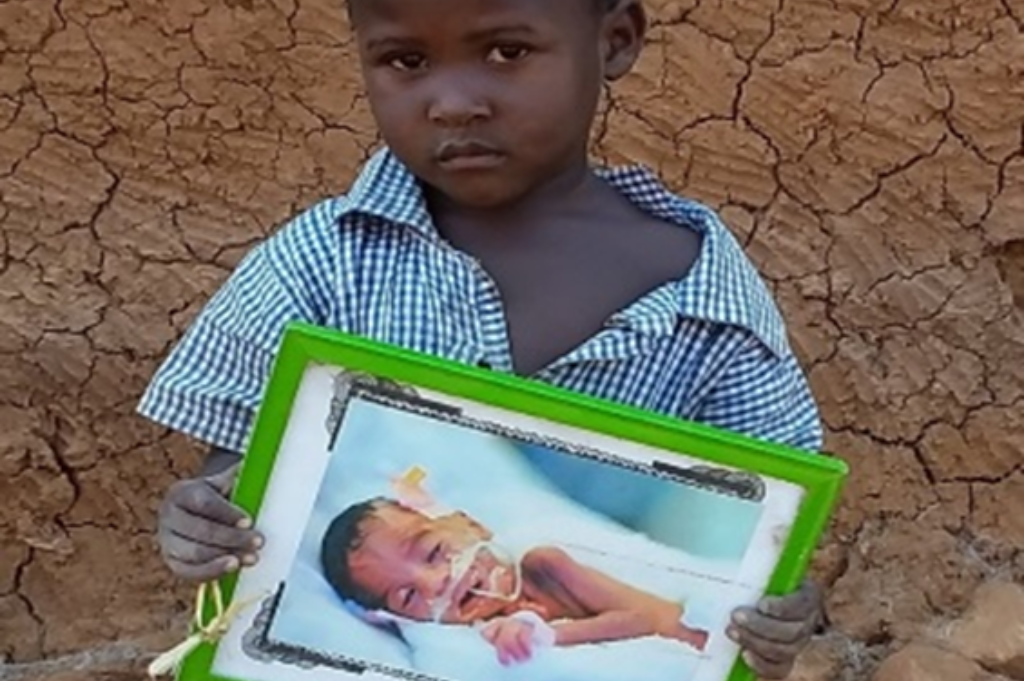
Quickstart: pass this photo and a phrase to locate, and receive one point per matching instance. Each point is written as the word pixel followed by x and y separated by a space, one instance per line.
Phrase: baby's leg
pixel 695 638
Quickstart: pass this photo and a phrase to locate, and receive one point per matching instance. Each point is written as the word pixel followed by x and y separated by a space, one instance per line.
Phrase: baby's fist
pixel 511 637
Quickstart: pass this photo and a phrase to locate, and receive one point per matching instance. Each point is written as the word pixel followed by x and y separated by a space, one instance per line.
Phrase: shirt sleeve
pixel 211 384
pixel 765 396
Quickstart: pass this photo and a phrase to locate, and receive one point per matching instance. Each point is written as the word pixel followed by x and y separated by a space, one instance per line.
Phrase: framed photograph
pixel 430 521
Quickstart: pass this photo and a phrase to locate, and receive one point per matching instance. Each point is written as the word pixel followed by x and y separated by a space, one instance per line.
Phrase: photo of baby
pixel 439 549
pixel 394 555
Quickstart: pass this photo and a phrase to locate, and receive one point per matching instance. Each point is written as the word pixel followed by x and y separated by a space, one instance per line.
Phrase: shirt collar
pixel 387 190
pixel 722 286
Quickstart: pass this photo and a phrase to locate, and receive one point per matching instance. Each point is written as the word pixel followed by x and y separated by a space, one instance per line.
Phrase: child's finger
pixel 756 625
pixel 204 572
pixel 800 605
pixel 772 651
pixel 202 498
pixel 224 481
pixel 183 550
pixel 767 658
pixel 178 521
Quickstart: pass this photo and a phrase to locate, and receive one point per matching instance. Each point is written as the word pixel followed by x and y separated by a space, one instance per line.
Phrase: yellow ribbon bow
pixel 205 632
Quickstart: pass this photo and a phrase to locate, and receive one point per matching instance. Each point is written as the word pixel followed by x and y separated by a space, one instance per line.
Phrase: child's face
pixel 486 100
pixel 404 558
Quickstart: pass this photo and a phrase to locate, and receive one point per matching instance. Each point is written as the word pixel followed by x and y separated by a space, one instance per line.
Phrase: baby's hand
pixel 513 638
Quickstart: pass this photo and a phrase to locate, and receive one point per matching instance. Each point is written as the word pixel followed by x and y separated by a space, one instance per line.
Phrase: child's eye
pixel 434 554
pixel 406 598
pixel 503 54
pixel 409 61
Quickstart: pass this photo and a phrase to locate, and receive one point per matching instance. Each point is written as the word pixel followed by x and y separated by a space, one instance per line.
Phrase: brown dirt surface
pixel 868 153
pixel 920 662
pixel 992 629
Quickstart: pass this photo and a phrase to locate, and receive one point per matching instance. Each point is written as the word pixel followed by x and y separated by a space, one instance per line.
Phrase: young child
pixel 384 555
pixel 481 233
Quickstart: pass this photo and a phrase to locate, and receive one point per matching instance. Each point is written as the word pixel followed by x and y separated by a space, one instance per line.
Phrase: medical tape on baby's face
pixel 434 511
pixel 463 562
pixel 409 491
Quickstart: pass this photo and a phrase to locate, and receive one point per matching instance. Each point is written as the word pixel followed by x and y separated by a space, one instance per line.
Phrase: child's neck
pixel 570 189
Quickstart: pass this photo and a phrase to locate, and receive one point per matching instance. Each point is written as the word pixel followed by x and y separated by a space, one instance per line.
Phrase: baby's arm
pixel 617 610
pixel 516 637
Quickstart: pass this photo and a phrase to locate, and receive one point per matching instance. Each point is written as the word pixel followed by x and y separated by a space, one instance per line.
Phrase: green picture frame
pixel 307 349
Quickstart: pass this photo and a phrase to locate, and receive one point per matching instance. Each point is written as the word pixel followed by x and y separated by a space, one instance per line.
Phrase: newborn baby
pixel 394 556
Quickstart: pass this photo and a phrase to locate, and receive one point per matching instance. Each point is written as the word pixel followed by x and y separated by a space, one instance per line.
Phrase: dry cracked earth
pixel 869 153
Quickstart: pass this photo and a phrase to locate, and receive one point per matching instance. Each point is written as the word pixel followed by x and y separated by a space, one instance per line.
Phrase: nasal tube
pixel 463 562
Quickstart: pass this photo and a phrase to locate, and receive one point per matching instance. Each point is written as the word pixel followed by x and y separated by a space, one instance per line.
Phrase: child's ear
pixel 623 31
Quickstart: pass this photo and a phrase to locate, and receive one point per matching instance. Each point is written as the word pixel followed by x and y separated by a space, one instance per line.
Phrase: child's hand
pixel 513 638
pixel 774 633
pixel 202 535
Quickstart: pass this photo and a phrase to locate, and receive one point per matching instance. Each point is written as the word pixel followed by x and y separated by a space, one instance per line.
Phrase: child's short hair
pixel 343 536
pixel 603 5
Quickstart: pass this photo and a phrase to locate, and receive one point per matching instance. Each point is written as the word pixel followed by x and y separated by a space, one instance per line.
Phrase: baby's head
pixel 385 556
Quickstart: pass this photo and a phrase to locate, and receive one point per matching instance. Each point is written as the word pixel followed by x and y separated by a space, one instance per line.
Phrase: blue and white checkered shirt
pixel 711 347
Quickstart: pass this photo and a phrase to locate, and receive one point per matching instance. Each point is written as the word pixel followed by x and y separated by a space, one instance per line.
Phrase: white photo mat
pixel 304 462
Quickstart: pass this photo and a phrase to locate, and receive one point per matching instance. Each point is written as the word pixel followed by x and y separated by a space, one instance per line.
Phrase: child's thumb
pixel 224 481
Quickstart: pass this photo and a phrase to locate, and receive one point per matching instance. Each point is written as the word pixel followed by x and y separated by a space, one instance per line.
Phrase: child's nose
pixel 455 103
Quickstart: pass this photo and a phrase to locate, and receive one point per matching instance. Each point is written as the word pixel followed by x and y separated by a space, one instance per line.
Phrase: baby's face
pixel 405 559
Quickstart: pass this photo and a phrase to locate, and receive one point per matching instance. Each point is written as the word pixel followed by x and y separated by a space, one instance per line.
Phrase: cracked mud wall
pixel 870 154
